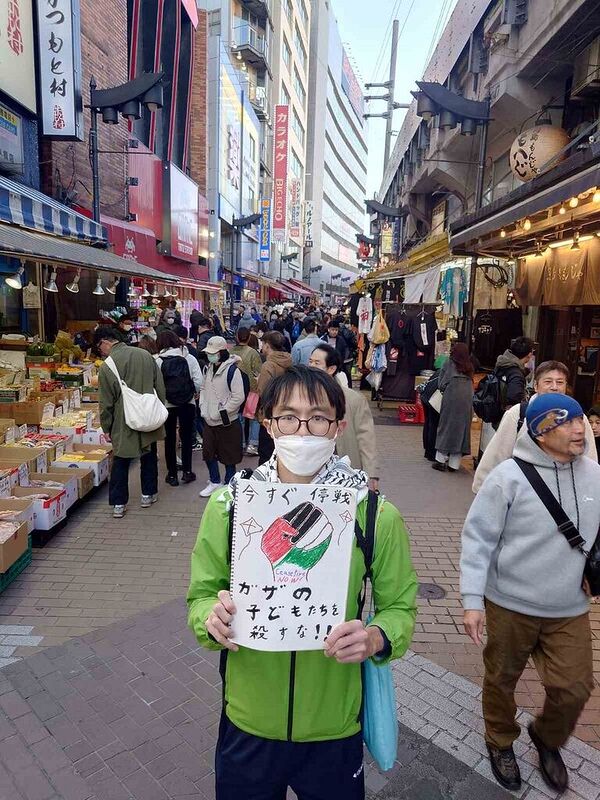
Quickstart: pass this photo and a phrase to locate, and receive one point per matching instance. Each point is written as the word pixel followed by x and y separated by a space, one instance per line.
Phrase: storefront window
pixel 14 317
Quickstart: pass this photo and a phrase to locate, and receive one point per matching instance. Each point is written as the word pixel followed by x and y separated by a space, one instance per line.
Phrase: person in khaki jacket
pixel 276 363
pixel 250 364
pixel 357 441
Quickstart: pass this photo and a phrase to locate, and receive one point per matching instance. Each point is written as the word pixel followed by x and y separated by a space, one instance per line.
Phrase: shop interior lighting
pixel 503 234
pixel 98 290
pixel 112 289
pixel 568 242
pixel 527 224
pixel 174 293
pixel 50 285
pixel 167 293
pixel 132 294
pixel 155 293
pixel 575 245
pixel 562 209
pixel 145 293
pixel 574 202
pixel 16 281
pixel 74 285
pixel 596 196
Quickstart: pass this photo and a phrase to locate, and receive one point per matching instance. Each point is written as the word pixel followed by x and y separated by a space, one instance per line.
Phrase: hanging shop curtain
pixel 423 287
pixel 561 277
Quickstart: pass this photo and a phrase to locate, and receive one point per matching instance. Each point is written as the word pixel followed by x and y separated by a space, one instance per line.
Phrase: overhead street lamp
pixel 238 226
pixel 126 99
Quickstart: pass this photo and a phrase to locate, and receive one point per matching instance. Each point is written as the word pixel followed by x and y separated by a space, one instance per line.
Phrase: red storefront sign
pixel 134 244
pixel 280 170
pixel 180 215
pixel 145 199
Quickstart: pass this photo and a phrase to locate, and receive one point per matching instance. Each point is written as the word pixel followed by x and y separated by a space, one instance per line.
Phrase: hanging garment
pixel 493 332
pixel 414 288
pixel 353 302
pixel 453 291
pixel 365 314
pixel 420 343
pixel 397 322
pixel 431 285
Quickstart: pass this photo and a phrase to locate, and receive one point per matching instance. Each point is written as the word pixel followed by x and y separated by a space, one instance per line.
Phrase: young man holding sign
pixel 293 692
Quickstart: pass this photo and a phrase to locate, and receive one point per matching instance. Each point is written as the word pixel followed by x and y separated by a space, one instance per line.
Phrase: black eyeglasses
pixel 289 424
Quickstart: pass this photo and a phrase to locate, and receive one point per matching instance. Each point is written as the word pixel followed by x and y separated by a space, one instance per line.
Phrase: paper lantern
pixel 534 148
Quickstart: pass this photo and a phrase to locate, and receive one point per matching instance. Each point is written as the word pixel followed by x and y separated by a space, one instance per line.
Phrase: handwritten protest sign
pixel 290 563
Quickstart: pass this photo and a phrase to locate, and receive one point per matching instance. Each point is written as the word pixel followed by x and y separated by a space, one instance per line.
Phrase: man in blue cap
pixel 519 571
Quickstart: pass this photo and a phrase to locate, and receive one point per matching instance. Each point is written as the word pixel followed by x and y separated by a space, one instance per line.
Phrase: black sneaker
pixel 439 466
pixel 552 766
pixel 172 481
pixel 188 477
pixel 505 768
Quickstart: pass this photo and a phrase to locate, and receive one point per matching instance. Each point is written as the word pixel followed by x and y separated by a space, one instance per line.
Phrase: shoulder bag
pixel 591 571
pixel 143 412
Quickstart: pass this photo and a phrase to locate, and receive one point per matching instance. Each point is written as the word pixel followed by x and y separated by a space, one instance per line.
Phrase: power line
pixel 384 43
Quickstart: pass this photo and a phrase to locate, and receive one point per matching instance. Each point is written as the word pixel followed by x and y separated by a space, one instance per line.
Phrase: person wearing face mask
pixel 293 719
pixel 126 330
pixel 277 360
pixel 550 376
pixel 221 397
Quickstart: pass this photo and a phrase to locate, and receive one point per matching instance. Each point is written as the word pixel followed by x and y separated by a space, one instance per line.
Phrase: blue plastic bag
pixel 380 721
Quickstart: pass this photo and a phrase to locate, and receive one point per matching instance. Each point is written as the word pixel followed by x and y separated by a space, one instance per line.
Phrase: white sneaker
pixel 148 500
pixel 210 488
pixel 119 512
pixel 252 450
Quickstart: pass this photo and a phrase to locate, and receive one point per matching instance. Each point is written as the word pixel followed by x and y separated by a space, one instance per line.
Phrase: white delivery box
pixel 98 465
pixel 21 508
pixel 69 483
pixel 46 513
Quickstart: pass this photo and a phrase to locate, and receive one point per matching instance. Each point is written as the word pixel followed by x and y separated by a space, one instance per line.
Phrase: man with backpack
pixel 136 367
pixel 524 548
pixel 183 381
pixel 550 376
pixel 511 369
pixel 293 719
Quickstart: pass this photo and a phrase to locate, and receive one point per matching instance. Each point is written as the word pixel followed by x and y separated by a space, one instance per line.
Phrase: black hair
pixel 593 412
pixel 166 340
pixel 551 366
pixel 332 357
pixel 333 323
pixel 243 334
pixel 309 325
pixel 205 322
pixel 181 331
pixel 522 346
pixel 314 383
pixel 275 340
pixel 106 332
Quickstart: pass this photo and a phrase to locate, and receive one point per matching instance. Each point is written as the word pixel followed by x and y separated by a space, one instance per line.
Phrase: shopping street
pixel 104 694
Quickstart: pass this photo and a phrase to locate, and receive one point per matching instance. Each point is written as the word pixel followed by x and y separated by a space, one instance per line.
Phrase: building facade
pixel 336 160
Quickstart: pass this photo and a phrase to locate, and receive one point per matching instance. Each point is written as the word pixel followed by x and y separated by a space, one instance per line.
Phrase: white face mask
pixel 304 455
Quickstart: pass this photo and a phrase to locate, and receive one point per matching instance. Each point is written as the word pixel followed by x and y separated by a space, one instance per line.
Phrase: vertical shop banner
pixel 264 235
pixel 296 209
pixel 280 170
pixel 180 215
pixel 387 238
pixel 59 51
pixel 11 141
pixel 309 210
pixel 396 237
pixel 17 59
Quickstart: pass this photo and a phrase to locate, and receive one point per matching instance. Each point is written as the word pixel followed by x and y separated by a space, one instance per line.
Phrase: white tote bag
pixel 143 412
pixel 435 401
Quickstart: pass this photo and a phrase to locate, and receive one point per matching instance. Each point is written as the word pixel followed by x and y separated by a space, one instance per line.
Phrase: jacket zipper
pixel 290 724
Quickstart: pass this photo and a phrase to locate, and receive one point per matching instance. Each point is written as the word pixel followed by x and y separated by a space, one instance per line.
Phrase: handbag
pixel 251 405
pixel 591 570
pixel 143 412
pixel 435 401
pixel 379 715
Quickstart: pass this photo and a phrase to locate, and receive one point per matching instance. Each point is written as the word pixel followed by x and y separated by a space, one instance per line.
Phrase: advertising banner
pixel 180 215
pixel 309 211
pixel 280 170
pixel 264 236
pixel 11 141
pixel 17 70
pixel 59 50
pixel 352 89
pixel 296 208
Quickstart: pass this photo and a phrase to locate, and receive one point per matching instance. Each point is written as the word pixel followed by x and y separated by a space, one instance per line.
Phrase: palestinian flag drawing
pixel 298 540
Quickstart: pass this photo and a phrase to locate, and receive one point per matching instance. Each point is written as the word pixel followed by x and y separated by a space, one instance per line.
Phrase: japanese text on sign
pixel 290 560
pixel 309 210
pixel 280 169
pixel 264 235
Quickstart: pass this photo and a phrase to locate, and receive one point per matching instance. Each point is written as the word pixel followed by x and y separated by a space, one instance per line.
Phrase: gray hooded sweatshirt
pixel 512 550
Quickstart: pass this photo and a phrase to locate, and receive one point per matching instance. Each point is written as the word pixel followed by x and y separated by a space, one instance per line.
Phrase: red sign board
pixel 145 199
pixel 180 215
pixel 280 170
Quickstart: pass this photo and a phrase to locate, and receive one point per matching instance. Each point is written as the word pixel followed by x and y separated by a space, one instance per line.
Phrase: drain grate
pixel 430 591
pixel 385 420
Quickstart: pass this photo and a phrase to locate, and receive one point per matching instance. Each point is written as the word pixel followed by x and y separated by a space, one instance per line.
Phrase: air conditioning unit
pixel 586 71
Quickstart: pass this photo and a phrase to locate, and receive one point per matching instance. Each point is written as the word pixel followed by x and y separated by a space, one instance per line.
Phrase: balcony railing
pixel 252 40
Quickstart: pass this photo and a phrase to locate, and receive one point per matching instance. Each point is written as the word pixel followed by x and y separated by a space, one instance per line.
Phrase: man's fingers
pixel 349 641
pixel 220 632
pixel 351 655
pixel 343 629
pixel 225 598
pixel 221 612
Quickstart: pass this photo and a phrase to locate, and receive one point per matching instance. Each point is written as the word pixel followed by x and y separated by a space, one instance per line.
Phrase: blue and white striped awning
pixel 28 208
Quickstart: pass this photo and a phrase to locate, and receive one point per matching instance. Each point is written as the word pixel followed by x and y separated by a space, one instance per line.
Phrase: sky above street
pixel 364 28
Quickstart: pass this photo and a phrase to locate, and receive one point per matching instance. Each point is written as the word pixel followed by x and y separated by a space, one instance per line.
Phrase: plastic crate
pixel 6 578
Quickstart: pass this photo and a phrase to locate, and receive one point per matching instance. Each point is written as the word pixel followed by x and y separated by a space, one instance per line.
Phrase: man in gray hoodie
pixel 519 571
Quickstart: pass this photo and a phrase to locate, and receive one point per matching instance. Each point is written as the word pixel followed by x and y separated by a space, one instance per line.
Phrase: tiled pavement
pixel 98 571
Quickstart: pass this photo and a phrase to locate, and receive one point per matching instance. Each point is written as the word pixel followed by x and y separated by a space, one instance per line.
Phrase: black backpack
pixel 178 381
pixel 245 381
pixel 487 400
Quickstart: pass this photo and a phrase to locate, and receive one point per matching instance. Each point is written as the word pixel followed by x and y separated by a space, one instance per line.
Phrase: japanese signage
pixel 396 237
pixel 264 236
pixel 387 238
pixel 296 208
pixel 290 563
pixel 180 215
pixel 145 199
pixel 233 156
pixel 309 211
pixel 280 170
pixel 17 70
pixel 352 89
pixel 11 141
pixel 59 49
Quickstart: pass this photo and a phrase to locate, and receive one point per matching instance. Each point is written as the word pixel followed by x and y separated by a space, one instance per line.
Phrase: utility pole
pixel 389 96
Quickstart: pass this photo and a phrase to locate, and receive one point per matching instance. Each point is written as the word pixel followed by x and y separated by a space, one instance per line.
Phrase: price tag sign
pixel 48 411
pixel 60 449
pixel 5 486
pixel 10 435
pixel 42 463
pixel 23 475
pixel 22 431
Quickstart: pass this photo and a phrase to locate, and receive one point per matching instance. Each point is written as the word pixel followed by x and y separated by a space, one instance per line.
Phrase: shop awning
pixel 28 208
pixel 575 175
pixel 18 243
pixel 303 288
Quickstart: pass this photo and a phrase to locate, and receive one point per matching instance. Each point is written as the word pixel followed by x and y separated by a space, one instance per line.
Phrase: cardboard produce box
pixel 36 458
pixel 46 513
pixel 13 547
pixel 22 467
pixel 69 483
pixel 10 472
pixel 22 508
pixel 84 477
pixel 31 412
pixel 97 462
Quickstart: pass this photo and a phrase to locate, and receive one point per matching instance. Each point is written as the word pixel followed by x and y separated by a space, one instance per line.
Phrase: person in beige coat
pixel 277 361
pixel 358 440
pixel 550 376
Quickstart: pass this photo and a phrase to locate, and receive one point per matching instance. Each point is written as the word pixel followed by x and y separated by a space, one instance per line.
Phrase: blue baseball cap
pixel 548 411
